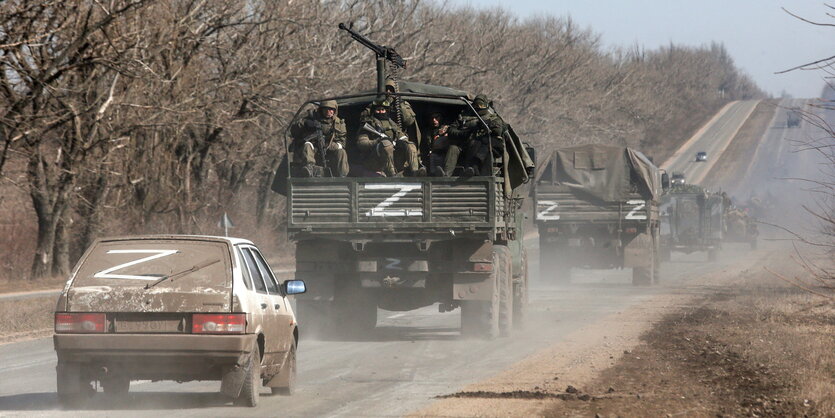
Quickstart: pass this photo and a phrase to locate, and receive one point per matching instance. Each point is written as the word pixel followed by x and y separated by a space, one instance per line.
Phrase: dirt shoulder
pixel 738 157
pixel 737 342
pixel 26 318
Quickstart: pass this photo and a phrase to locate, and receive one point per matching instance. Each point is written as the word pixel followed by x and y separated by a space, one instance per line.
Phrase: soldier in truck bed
pixel 479 140
pixel 307 144
pixel 384 148
pixel 443 150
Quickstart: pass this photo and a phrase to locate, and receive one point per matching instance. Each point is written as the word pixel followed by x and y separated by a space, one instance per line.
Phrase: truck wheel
pixel 505 280
pixel 666 254
pixel 358 311
pixel 252 383
pixel 641 276
pixel 287 374
pixel 480 318
pixel 712 254
pixel 520 294
pixel 315 316
pixel 116 385
pixel 73 390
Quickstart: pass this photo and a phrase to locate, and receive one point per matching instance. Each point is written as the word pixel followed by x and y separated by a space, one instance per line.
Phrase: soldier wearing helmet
pixel 481 138
pixel 384 147
pixel 319 134
pixel 404 161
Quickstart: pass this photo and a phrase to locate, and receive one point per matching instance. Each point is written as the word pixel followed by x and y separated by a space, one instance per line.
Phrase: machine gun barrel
pixel 381 51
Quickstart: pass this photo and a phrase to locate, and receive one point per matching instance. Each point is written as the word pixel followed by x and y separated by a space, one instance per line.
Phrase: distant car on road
pixel 701 156
pixel 677 179
pixel 175 307
pixel 792 119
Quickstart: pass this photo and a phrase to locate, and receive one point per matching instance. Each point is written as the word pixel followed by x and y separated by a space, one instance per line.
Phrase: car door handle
pixel 263 306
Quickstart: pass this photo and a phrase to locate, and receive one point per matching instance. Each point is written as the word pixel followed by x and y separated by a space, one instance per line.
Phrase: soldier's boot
pixel 406 155
pixel 338 163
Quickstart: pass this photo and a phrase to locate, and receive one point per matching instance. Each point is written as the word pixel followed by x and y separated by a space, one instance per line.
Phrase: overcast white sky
pixel 758 34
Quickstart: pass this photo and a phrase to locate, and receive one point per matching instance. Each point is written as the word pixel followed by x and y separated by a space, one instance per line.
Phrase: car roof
pixel 211 238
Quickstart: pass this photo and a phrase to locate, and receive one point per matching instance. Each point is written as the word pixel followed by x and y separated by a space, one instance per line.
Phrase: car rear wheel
pixel 116 385
pixel 252 383
pixel 73 389
pixel 288 375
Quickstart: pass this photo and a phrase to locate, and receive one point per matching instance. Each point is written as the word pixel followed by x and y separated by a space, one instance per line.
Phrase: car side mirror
pixel 665 181
pixel 531 152
pixel 294 287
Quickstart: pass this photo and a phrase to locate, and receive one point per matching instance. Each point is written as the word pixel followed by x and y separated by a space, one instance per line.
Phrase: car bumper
pixel 155 355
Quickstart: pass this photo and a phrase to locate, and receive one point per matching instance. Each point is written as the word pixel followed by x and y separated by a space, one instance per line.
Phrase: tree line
pixel 140 116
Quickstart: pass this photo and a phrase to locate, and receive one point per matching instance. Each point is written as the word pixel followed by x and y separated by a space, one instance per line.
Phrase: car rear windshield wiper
pixel 183 273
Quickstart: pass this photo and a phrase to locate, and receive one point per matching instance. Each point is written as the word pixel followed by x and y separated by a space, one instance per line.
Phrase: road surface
pixel 713 138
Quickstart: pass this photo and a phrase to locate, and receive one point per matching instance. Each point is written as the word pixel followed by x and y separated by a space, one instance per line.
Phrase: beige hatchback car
pixel 175 308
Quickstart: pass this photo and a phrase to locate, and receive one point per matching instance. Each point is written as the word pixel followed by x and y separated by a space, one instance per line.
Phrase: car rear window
pixel 177 263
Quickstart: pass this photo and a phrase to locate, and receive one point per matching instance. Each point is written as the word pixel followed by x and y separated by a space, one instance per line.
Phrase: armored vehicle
pixel 741 227
pixel 597 207
pixel 401 243
pixel 691 220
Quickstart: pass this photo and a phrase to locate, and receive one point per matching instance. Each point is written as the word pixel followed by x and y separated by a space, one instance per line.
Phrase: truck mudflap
pixel 638 253
pixel 476 285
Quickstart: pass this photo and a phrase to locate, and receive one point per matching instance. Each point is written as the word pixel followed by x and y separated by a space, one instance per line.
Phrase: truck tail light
pixel 483 267
pixel 631 230
pixel 218 323
pixel 552 230
pixel 79 322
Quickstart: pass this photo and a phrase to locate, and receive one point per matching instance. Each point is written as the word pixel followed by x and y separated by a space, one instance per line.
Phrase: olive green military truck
pixel 692 219
pixel 367 241
pixel 597 207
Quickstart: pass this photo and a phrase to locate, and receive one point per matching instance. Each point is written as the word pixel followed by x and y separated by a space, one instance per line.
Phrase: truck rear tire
pixel 642 276
pixel 520 294
pixel 480 318
pixel 315 316
pixel 505 281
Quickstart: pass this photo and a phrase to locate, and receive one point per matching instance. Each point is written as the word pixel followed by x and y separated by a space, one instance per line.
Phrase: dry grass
pixel 26 318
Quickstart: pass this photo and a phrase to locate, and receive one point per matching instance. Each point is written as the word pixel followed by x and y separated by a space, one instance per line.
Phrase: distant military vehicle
pixel 692 219
pixel 597 207
pixel 792 119
pixel 401 243
pixel 741 227
pixel 678 179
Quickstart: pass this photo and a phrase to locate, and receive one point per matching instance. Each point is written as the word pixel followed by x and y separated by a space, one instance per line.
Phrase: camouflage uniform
pixel 307 145
pixel 403 159
pixel 480 138
pixel 443 150
pixel 386 155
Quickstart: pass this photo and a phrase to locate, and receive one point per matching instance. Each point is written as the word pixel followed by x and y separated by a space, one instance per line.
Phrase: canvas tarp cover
pixel 605 172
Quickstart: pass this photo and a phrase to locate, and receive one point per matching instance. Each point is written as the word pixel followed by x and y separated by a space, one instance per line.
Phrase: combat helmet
pixel 329 104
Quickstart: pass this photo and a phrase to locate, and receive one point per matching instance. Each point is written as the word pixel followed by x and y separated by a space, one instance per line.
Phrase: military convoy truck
pixel 401 243
pixel 597 207
pixel 741 227
pixel 692 219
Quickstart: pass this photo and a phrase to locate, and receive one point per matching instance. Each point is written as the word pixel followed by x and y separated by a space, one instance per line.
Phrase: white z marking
pixel 633 214
pixel 547 214
pixel 393 264
pixel 402 190
pixel 105 274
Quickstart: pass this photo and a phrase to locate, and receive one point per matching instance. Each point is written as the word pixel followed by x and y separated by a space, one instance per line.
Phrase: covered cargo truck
pixel 597 207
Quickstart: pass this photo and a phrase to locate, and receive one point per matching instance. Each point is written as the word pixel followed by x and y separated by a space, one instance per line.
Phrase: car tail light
pixel 553 230
pixel 79 322
pixel 218 323
pixel 483 267
pixel 631 230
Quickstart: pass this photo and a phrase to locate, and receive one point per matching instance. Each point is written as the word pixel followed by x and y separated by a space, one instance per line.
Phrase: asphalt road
pixel 713 139
pixel 411 358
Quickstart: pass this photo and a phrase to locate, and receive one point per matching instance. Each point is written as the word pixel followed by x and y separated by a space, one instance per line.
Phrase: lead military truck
pixel 597 207
pixel 401 243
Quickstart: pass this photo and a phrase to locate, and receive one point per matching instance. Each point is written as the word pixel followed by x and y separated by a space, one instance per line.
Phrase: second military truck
pixel 692 219
pixel 597 207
